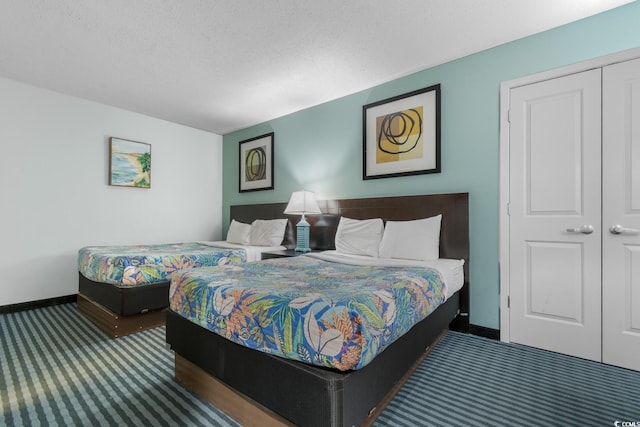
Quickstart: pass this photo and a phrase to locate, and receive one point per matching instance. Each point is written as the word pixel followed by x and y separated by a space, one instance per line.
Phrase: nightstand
pixel 283 254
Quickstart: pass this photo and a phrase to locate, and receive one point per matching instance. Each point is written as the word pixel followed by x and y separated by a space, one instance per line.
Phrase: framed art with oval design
pixel 256 163
pixel 401 135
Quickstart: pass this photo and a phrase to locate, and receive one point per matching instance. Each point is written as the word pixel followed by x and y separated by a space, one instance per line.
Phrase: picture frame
pixel 129 163
pixel 256 163
pixel 401 135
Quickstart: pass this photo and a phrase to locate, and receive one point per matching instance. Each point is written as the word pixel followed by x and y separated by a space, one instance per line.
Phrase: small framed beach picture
pixel 129 163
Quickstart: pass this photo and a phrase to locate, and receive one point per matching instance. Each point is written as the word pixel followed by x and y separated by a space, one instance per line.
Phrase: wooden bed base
pixel 249 413
pixel 116 325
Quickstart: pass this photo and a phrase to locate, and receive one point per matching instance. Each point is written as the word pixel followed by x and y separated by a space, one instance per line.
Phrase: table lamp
pixel 302 202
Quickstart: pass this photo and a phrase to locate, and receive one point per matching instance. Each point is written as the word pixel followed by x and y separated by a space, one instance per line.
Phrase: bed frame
pixel 120 311
pixel 259 389
pixel 126 301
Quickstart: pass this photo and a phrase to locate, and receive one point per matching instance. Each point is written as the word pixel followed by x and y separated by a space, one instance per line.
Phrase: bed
pixel 124 289
pixel 263 388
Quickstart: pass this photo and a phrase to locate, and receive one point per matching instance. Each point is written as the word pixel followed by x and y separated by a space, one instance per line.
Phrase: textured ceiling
pixel 225 65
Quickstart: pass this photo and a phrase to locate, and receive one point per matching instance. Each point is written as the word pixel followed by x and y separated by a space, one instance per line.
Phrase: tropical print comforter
pixel 307 309
pixel 128 266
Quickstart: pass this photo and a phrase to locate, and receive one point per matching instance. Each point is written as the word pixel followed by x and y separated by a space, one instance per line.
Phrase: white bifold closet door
pixel 621 215
pixel 574 214
pixel 554 215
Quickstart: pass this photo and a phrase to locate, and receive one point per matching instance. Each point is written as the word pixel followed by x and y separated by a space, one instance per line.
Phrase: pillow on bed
pixel 267 232
pixel 417 240
pixel 238 233
pixel 359 236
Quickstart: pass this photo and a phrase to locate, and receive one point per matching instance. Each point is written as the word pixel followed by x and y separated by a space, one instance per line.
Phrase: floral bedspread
pixel 319 312
pixel 128 266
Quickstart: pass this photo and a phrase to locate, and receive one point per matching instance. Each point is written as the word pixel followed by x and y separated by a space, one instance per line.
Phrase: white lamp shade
pixel 302 202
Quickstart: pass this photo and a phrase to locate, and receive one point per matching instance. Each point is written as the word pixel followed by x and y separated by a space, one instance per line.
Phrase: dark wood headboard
pixel 454 232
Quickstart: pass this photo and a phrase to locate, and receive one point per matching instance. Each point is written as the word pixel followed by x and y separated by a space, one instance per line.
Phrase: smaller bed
pixel 124 289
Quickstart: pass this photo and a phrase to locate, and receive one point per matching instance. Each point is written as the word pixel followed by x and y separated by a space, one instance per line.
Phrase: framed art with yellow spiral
pixel 401 135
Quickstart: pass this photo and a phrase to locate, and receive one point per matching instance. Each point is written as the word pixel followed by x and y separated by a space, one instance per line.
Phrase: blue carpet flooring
pixel 59 369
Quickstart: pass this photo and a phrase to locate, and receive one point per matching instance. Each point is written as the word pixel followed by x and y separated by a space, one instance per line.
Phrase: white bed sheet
pixel 451 270
pixel 254 253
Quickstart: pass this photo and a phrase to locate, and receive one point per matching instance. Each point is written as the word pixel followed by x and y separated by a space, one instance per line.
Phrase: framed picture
pixel 256 163
pixel 401 135
pixel 129 163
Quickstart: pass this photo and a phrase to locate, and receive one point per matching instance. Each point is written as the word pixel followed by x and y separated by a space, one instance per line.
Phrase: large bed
pixel 265 388
pixel 124 289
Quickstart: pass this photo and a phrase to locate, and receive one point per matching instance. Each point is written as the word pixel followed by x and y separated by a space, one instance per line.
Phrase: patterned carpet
pixel 59 369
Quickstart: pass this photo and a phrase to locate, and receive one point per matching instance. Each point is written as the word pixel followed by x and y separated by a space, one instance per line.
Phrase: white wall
pixel 55 197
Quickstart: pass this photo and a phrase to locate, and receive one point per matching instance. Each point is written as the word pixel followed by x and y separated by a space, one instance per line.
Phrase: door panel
pixel 549 264
pixel 621 206
pixel 554 179
pixel 555 190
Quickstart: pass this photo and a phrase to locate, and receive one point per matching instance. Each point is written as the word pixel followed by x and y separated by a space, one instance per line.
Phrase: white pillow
pixel 238 233
pixel 267 232
pixel 359 237
pixel 417 240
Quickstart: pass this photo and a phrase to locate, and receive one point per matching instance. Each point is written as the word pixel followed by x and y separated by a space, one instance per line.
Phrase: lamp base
pixel 302 236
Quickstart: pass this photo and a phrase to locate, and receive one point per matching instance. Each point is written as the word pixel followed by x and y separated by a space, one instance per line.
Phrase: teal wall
pixel 320 148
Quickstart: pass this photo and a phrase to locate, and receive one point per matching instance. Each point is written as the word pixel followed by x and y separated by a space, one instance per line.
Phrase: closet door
pixel 621 215
pixel 555 215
